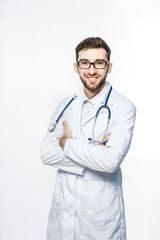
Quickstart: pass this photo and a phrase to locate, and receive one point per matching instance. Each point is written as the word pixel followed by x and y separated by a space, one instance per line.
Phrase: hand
pixel 105 139
pixel 65 136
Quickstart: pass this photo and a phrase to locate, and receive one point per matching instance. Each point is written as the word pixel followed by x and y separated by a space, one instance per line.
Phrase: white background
pixel 37 42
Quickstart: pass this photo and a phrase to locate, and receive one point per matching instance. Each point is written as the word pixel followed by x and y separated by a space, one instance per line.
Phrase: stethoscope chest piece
pixel 52 127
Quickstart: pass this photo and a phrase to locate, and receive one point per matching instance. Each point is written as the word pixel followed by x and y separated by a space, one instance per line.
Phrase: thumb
pixel 107 137
pixel 66 129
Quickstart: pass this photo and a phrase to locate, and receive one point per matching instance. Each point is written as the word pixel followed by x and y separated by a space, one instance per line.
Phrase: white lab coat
pixel 88 200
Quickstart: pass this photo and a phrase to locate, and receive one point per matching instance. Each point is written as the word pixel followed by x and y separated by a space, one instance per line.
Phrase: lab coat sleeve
pixel 106 158
pixel 51 152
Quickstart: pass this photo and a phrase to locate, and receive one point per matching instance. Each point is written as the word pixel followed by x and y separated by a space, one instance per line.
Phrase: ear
pixel 75 67
pixel 109 67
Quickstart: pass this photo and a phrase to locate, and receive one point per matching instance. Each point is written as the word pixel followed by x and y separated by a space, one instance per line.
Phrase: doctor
pixel 88 200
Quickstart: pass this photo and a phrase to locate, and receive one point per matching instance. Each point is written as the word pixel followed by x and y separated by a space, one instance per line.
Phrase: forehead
pixel 92 54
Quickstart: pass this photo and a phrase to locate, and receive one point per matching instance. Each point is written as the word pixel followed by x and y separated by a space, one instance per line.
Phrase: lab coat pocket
pixel 106 201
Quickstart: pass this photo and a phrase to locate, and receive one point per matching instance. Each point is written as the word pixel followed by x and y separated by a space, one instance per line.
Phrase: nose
pixel 92 70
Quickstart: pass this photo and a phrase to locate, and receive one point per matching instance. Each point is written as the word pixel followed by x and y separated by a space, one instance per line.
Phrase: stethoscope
pixel 52 126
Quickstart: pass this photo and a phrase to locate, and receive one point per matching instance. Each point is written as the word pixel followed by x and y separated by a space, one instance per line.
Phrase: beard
pixel 95 86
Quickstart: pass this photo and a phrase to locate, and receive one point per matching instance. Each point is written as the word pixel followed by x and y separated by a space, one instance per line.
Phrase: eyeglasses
pixel 100 64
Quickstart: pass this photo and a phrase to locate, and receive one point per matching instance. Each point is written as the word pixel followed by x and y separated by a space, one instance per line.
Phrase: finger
pixel 106 137
pixel 66 129
pixel 61 141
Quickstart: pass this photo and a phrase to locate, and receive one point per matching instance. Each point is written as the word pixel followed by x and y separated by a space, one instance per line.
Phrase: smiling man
pixel 92 72
pixel 89 136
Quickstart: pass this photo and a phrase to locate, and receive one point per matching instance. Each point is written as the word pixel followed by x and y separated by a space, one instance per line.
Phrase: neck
pixel 91 93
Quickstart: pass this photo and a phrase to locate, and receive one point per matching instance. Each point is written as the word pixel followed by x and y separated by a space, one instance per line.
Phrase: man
pixel 88 200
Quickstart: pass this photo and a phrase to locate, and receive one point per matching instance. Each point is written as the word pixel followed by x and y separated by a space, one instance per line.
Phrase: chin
pixel 95 86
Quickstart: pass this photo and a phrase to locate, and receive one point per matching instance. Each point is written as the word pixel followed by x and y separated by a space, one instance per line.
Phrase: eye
pixel 84 62
pixel 100 62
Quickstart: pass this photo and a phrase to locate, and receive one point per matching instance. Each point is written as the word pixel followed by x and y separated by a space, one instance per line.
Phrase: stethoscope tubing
pixel 52 126
pixel 64 109
pixel 96 116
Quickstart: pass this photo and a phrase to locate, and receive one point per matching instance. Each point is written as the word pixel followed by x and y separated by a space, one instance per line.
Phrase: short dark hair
pixel 93 42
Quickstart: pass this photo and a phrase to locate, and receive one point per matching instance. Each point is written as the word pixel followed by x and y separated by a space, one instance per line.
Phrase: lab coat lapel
pixel 76 112
pixel 90 115
pixel 98 104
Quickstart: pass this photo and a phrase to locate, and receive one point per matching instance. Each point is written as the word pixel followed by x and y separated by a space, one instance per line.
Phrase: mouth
pixel 92 79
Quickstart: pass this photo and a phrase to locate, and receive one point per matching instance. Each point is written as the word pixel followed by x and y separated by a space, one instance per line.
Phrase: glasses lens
pixel 100 64
pixel 84 64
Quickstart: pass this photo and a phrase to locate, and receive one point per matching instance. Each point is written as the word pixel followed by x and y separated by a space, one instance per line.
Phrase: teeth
pixel 92 78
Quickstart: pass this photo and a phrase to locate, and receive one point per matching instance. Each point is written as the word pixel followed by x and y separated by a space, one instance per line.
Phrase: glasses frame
pixel 92 63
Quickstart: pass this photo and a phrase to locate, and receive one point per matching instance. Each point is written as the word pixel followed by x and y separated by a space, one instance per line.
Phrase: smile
pixel 92 79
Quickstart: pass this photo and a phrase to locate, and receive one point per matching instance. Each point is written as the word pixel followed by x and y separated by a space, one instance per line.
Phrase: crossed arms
pixel 67 134
pixel 60 150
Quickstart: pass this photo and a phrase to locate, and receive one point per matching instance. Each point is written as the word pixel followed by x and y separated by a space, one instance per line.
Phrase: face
pixel 93 79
